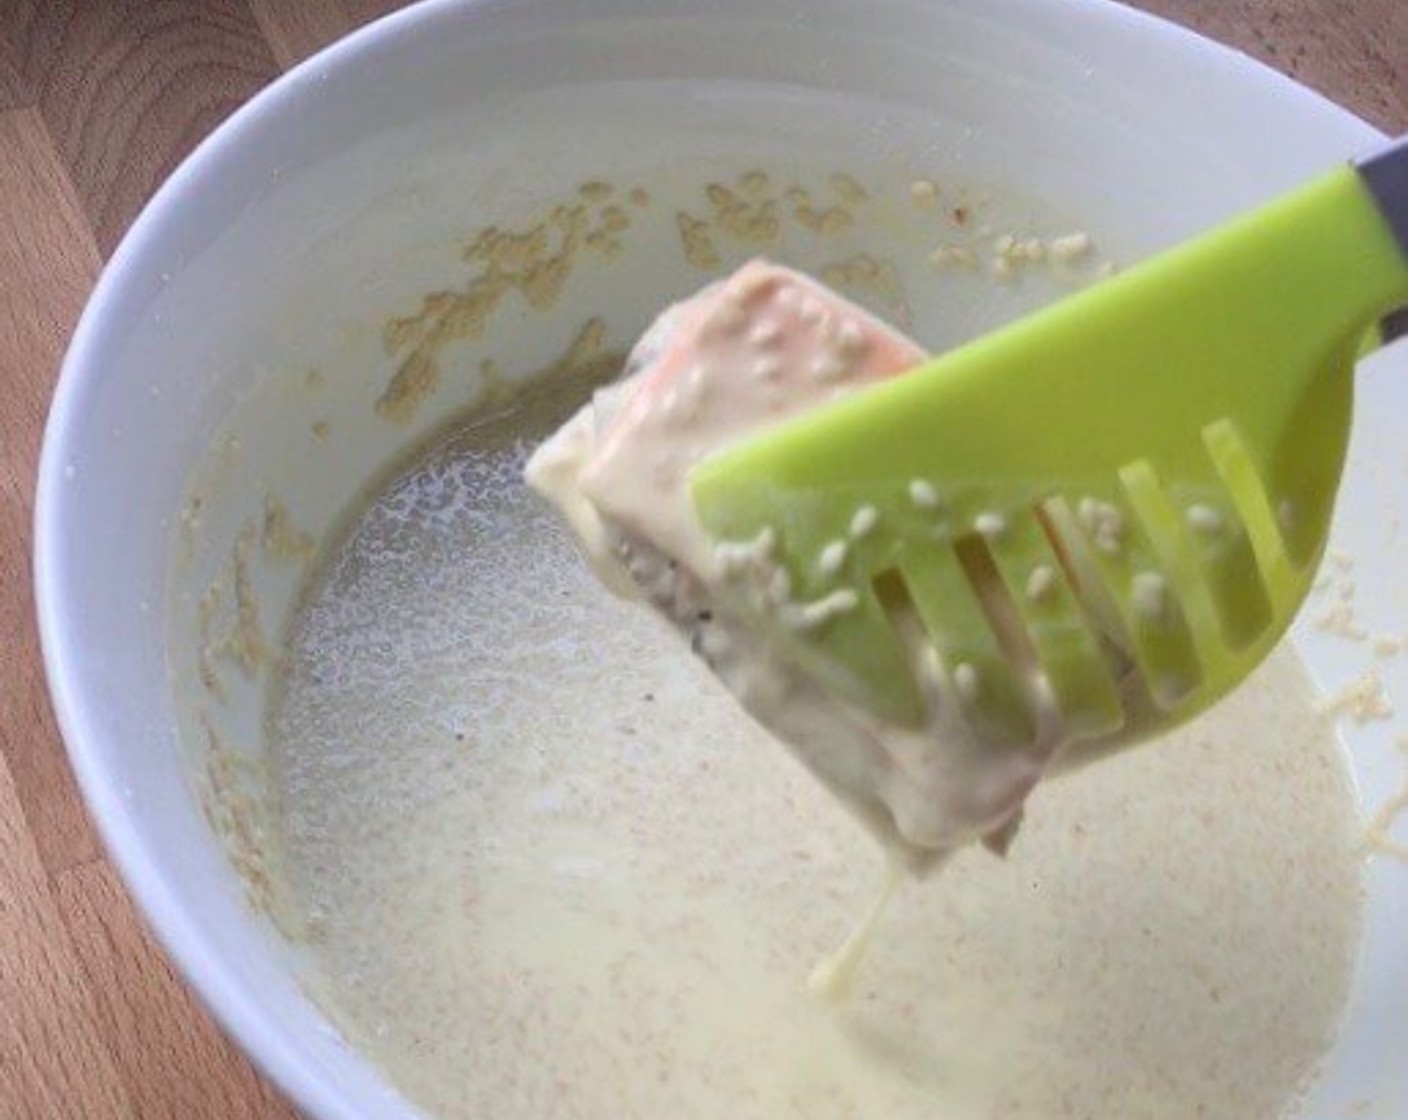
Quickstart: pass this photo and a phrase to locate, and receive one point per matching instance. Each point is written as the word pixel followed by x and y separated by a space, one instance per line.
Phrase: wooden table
pixel 99 99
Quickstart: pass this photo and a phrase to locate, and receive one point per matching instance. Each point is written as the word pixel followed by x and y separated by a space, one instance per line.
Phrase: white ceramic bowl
pixel 336 197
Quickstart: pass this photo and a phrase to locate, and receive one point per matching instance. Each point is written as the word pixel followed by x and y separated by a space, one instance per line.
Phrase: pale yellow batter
pixel 549 869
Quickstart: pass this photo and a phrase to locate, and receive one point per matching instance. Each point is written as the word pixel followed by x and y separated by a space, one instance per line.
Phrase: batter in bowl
pixel 548 867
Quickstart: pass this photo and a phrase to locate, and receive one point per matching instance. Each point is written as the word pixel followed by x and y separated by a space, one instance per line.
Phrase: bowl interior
pixel 230 368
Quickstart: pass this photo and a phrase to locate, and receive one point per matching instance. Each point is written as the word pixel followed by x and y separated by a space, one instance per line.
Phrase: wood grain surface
pixel 99 99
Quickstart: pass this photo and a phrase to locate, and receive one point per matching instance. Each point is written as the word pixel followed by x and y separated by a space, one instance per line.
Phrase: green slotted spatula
pixel 1135 483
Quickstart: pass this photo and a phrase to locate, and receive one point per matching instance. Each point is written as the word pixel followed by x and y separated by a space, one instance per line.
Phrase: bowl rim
pixel 236 1008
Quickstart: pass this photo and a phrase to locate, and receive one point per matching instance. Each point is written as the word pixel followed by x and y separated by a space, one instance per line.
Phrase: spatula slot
pixel 893 595
pixel 932 604
pixel 1254 506
pixel 1128 595
pixel 1002 613
pixel 1058 521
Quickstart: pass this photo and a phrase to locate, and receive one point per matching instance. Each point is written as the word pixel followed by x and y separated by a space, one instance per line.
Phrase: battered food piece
pixel 763 345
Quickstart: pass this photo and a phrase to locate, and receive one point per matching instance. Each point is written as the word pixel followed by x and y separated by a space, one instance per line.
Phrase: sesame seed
pixel 1148 591
pixel 1041 583
pixel 1070 247
pixel 923 192
pixel 1286 513
pixel 990 524
pixel 1109 542
pixel 811 616
pixel 1387 646
pixel 958 255
pixel 766 368
pixel 850 339
pixel 828 367
pixel 1203 518
pixel 1104 522
pixel 788 295
pixel 733 557
pixel 923 494
pixel 832 557
pixel 765 334
pixel 965 679
pixel 1030 249
pixel 864 521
